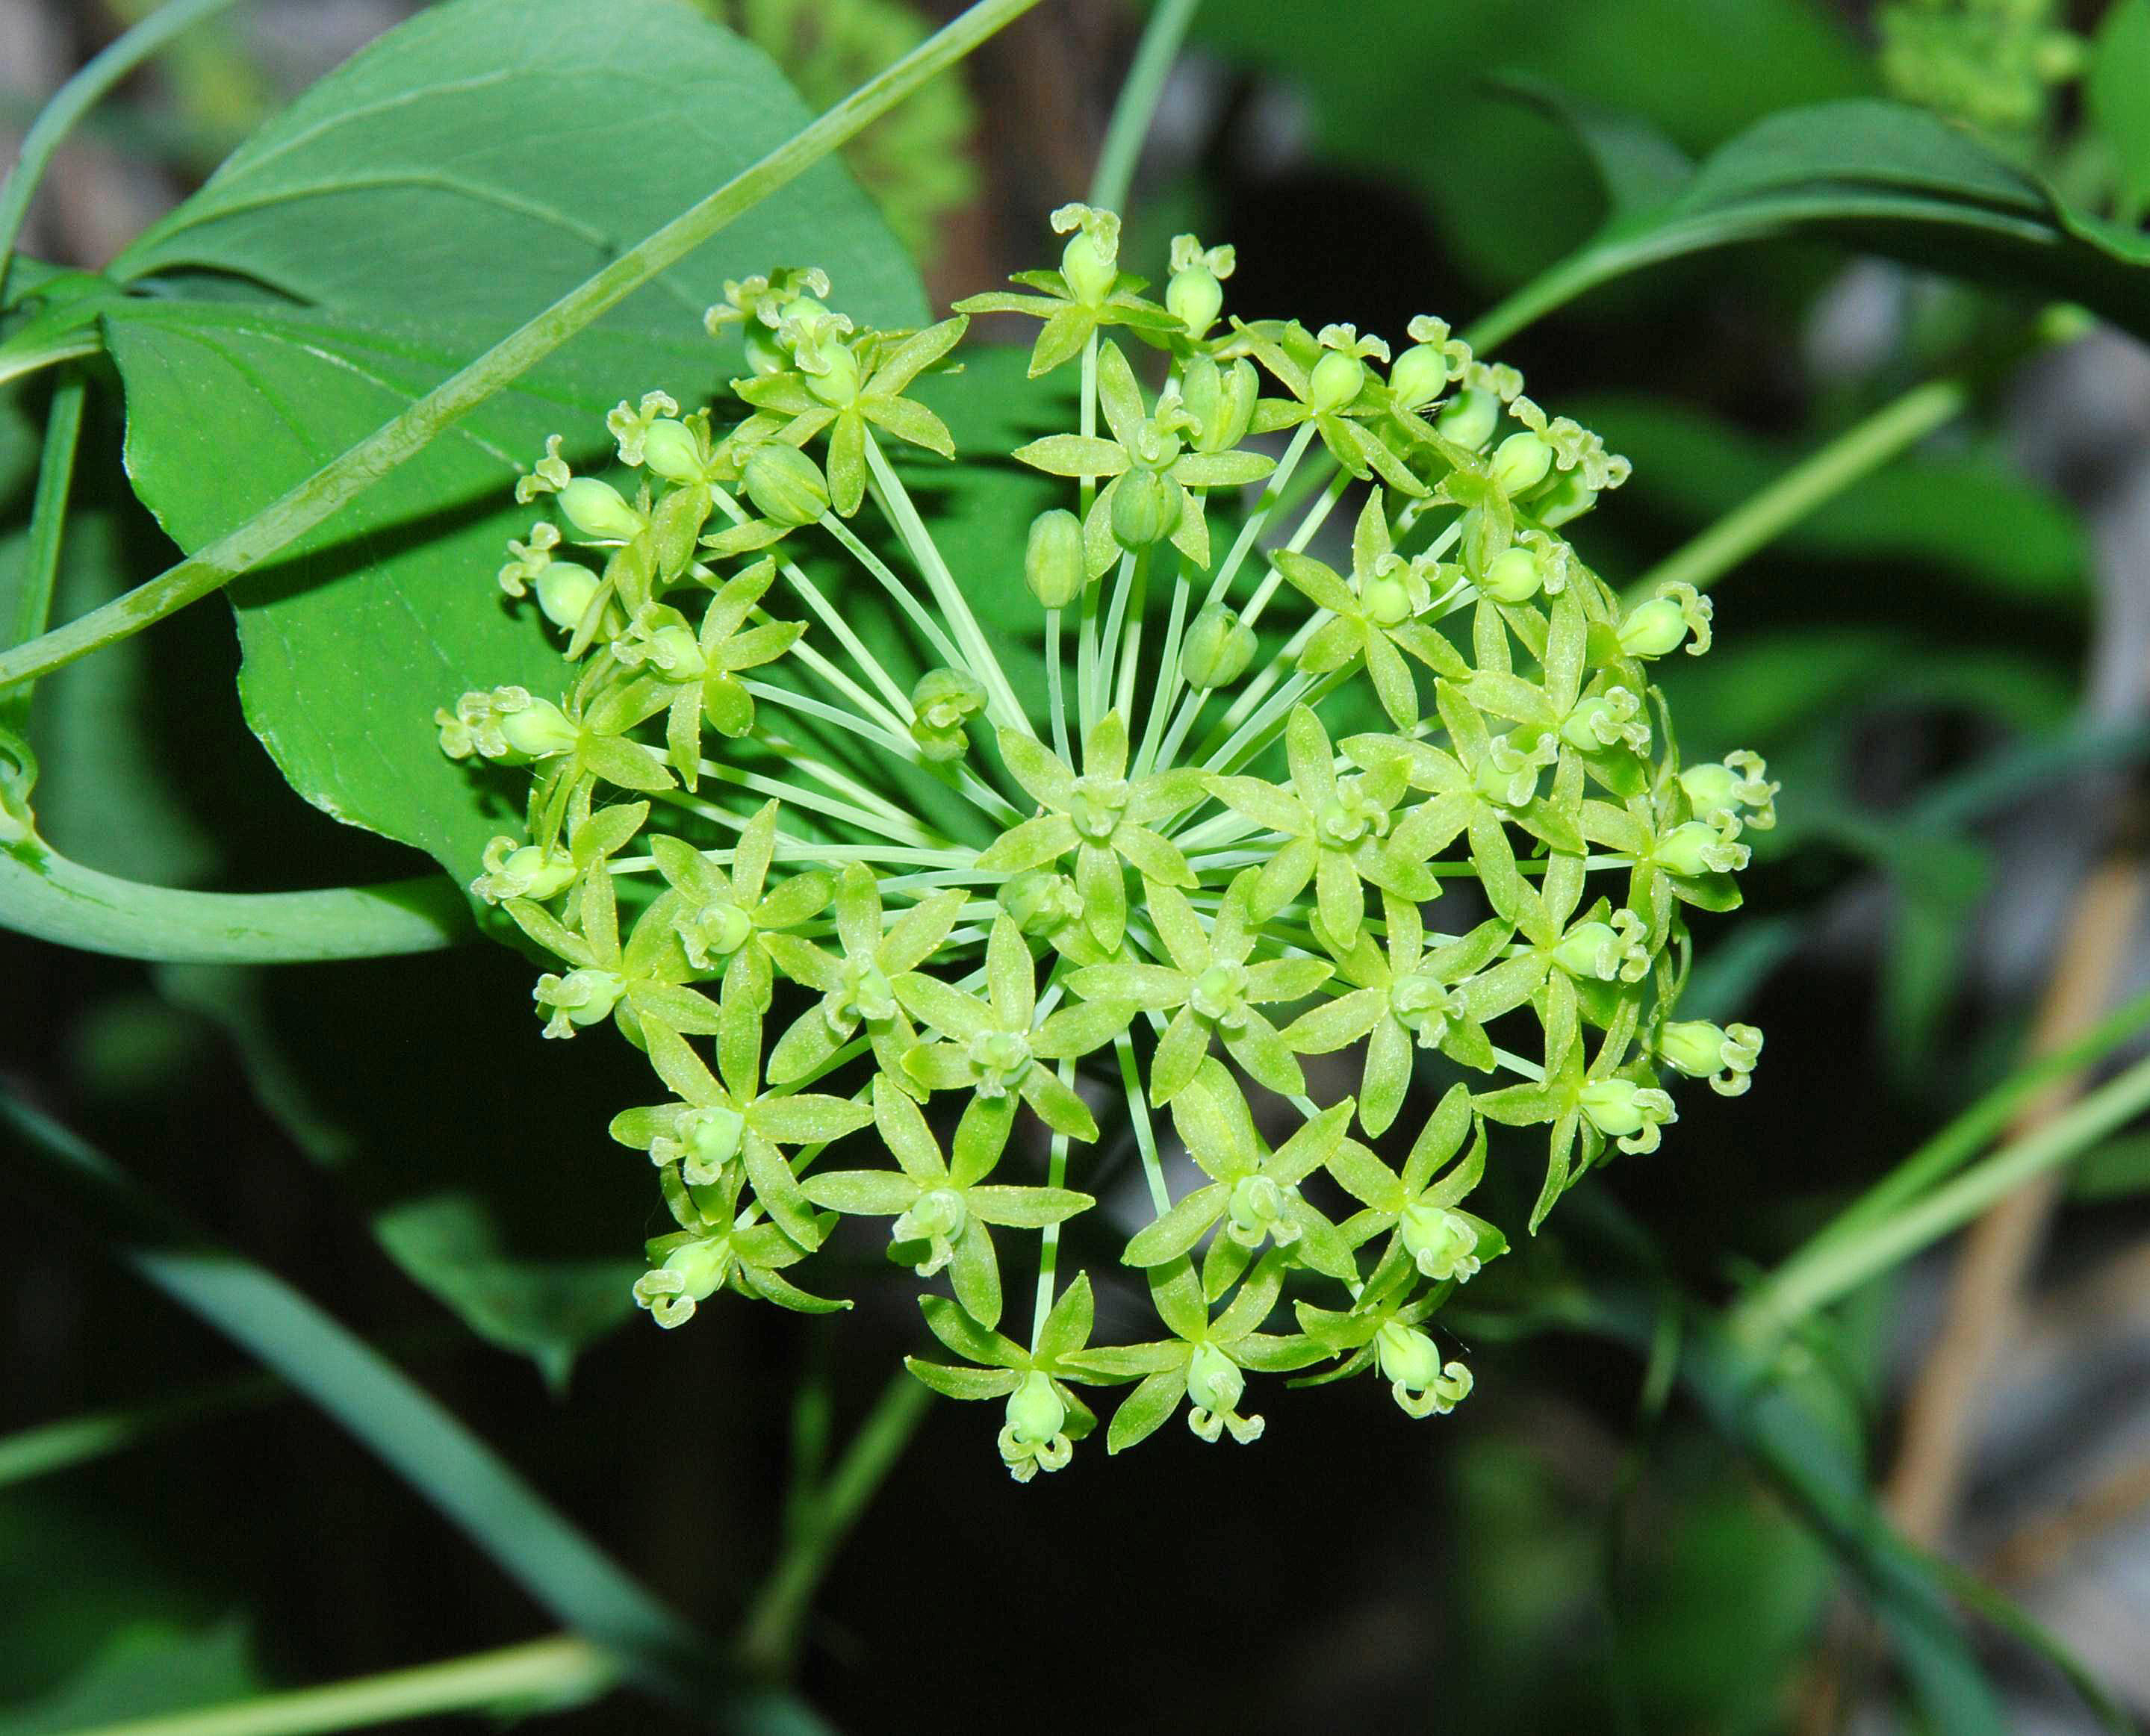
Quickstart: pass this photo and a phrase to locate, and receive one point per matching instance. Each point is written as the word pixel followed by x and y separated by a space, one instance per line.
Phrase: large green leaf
pixel 444 184
pixel 1882 176
pixel 2118 92
pixel 1396 88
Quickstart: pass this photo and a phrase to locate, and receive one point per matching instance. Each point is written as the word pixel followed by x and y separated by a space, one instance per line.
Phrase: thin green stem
pixel 561 1671
pixel 920 617
pixel 45 895
pixel 1136 103
pixel 74 99
pixel 895 500
pixel 1056 685
pixel 769 1641
pixel 1858 452
pixel 1824 1271
pixel 1160 1196
pixel 54 1447
pixel 402 438
pixel 41 560
pixel 1048 1240
pixel 1167 675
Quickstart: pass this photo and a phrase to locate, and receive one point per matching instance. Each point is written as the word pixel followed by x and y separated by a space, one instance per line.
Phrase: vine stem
pixel 1763 518
pixel 41 562
pixel 402 437
pixel 560 1669
pixel 770 1638
pixel 74 99
pixel 44 894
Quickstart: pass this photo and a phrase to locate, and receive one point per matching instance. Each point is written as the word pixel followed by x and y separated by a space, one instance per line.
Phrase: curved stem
pixel 402 438
pixel 1860 450
pixel 1136 103
pixel 771 1639
pixel 44 894
pixel 560 1670
pixel 76 99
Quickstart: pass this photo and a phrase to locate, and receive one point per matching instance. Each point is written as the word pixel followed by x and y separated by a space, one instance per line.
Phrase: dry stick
pixel 1985 1295
pixel 1983 1308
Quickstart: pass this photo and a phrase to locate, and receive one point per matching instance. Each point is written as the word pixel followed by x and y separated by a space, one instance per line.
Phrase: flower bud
pixel 581 997
pixel 522 871
pixel 1441 1243
pixel 1386 596
pixel 1195 297
pixel 1623 1110
pixel 564 591
pixel 1146 509
pixel 710 1139
pixel 1700 1050
pixel 1034 1438
pixel 1214 1388
pixel 1570 496
pixel 1657 628
pixel 1041 902
pixel 1513 576
pixel 785 485
pixel 596 510
pixel 1408 1358
pixel 1697 848
pixel 1419 377
pixel 1469 419
pixel 1089 269
pixel 669 448
pixel 1605 720
pixel 1606 951
pixel 1035 1411
pixel 1733 788
pixel 1052 560
pixel 1338 379
pixel 1218 403
pixel 1218 648
pixel 1519 463
pixel 942 700
pixel 535 728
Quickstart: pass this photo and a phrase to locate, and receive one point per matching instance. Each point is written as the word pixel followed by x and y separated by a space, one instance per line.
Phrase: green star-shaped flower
pixel 1044 1415
pixel 696 673
pixel 859 987
pixel 1205 1360
pixel 1420 1206
pixel 1408 994
pixel 1154 492
pixel 1339 831
pixel 947 1207
pixel 1252 1191
pixel 1376 615
pixel 839 387
pixel 1210 990
pixel 715 1125
pixel 1090 291
pixel 1105 816
pixel 998 1047
pixel 725 922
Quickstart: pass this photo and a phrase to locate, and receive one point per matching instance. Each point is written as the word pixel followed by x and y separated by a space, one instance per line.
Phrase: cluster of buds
pixel 893 917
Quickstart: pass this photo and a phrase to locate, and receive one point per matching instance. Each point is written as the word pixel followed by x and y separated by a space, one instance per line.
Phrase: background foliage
pixel 1943 664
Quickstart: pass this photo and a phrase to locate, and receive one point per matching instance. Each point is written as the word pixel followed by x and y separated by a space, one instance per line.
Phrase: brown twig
pixel 1984 1301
